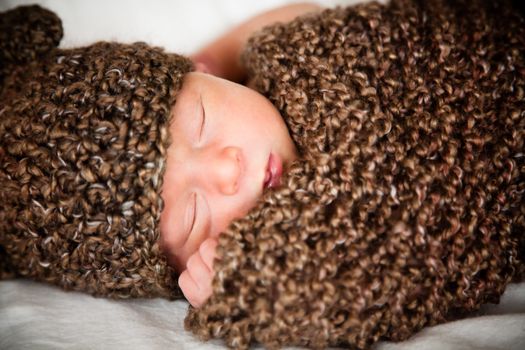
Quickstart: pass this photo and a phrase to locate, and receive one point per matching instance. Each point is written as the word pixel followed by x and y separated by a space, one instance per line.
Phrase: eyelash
pixel 203 121
pixel 195 195
pixel 194 212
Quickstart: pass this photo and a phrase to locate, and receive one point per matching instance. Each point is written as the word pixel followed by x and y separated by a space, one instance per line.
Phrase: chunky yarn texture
pixel 407 206
pixel 83 147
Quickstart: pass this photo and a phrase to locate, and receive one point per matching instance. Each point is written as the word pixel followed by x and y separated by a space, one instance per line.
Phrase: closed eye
pixel 203 117
pixel 194 212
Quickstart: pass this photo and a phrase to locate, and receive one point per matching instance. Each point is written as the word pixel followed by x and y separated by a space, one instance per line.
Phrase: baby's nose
pixel 227 169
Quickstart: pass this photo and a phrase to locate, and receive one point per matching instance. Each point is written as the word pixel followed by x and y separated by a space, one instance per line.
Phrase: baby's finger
pixel 189 288
pixel 199 272
pixel 208 252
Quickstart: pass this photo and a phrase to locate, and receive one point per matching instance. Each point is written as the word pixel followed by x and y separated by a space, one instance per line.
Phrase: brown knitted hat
pixel 83 141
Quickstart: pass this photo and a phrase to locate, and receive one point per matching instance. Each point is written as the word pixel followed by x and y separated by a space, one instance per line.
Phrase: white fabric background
pixel 39 316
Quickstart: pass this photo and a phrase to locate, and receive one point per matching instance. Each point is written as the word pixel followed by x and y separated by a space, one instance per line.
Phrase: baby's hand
pixel 195 281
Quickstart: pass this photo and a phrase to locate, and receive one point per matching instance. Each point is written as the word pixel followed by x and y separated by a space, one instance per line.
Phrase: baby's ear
pixel 27 33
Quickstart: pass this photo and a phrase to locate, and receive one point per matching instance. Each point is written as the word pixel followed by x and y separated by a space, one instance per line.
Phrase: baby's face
pixel 222 136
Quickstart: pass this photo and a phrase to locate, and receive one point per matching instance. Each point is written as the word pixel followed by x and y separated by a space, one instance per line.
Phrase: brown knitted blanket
pixel 406 208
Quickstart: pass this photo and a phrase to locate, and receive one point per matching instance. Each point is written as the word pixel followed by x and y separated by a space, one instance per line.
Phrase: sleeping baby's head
pixel 123 155
pixel 229 143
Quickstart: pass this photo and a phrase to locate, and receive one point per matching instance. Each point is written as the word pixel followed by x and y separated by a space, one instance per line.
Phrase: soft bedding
pixel 39 316
pixel 36 316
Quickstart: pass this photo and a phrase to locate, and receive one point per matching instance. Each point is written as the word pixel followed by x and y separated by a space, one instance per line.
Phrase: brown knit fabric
pixel 26 33
pixel 83 142
pixel 407 206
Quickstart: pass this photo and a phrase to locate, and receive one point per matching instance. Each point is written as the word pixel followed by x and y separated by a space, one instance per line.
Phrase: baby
pixel 232 143
pixel 85 135
pixel 397 142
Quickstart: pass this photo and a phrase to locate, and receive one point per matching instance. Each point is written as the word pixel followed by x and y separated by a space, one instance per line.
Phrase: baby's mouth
pixel 274 170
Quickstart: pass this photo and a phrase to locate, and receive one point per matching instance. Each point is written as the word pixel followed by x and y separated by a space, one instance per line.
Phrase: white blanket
pixel 38 316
